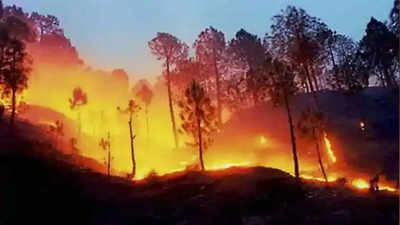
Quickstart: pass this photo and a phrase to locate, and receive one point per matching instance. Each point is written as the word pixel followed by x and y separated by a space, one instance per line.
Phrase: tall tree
pixel 311 125
pixel 131 110
pixel 48 24
pixel 171 50
pixel 210 49
pixel 348 71
pixel 296 38
pixel 394 17
pixel 15 69
pixel 105 144
pixel 78 99
pixel 379 48
pixel 248 51
pixel 281 89
pixel 199 118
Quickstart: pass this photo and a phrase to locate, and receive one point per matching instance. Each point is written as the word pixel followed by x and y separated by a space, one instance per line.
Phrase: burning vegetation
pixel 176 121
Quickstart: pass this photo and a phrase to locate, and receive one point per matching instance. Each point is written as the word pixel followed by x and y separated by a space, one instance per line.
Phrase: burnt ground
pixel 39 185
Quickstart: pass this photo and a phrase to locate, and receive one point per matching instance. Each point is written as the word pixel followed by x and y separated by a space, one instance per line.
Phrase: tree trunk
pixel 307 86
pixel 200 140
pixel 388 78
pixel 171 107
pixel 314 77
pixel 292 136
pixel 109 162
pixel 132 138
pixel 317 139
pixel 13 107
pixel 313 93
pixel 333 58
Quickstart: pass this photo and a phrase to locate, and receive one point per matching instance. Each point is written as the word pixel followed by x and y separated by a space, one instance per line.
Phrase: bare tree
pixel 311 125
pixel 58 131
pixel 282 87
pixel 105 144
pixel 79 99
pixel 171 50
pixel 131 110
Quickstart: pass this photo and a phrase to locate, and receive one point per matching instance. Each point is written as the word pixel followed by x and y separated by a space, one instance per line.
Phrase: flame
pixel 360 183
pixel 262 140
pixel 155 151
pixel 329 150
pixel 310 177
pixel 363 184
pixel 227 165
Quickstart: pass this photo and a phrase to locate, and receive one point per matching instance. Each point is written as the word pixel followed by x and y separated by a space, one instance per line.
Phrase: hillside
pixel 39 185
pixel 374 151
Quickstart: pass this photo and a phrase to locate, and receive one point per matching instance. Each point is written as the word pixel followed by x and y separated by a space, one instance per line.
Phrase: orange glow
pixel 360 183
pixel 228 165
pixel 329 150
pixel 262 140
pixel 155 150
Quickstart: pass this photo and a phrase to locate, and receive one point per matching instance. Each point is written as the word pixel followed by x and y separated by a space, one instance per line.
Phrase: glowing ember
pixel 387 188
pixel 360 183
pixel 228 165
pixel 329 148
pixel 362 126
pixel 262 140
pixel 321 179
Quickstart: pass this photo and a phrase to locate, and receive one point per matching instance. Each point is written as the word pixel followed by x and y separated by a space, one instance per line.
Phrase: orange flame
pixel 360 183
pixel 329 150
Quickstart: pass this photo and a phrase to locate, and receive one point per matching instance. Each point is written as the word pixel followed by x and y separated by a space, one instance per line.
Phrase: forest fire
pixel 206 128
pixel 329 150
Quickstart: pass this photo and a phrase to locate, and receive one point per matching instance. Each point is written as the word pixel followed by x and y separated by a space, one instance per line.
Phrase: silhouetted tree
pixel 58 131
pixel 247 50
pixel 131 110
pixel 210 49
pixel 79 99
pixel 311 125
pixel 73 142
pixel 281 88
pixel 171 50
pixel 48 24
pixel 349 71
pixel 105 144
pixel 394 18
pixel 55 49
pixel 14 72
pixel 379 48
pixel 296 38
pixel 199 118
pixel 185 72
